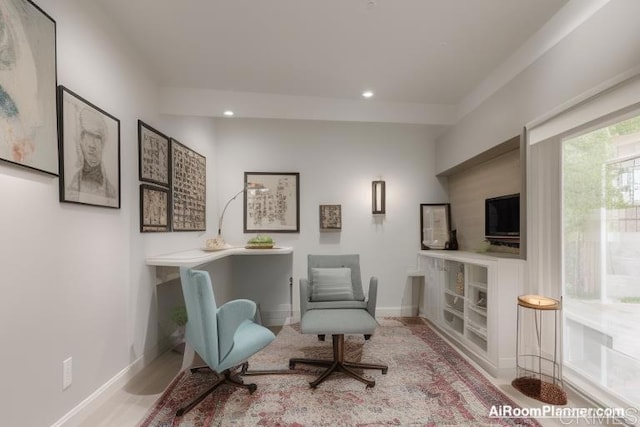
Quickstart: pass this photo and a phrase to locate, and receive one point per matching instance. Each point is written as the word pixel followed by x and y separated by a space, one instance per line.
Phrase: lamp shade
pixel 378 197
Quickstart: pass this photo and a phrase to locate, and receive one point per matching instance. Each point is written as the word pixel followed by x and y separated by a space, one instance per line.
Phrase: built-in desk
pixel 262 275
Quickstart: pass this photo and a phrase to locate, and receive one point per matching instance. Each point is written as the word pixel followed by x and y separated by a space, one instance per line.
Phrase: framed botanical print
pixel 330 217
pixel 154 156
pixel 28 120
pixel 188 183
pixel 435 225
pixel 154 208
pixel 275 209
pixel 89 146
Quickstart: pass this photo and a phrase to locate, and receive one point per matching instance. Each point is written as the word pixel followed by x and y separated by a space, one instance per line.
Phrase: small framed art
pixel 330 217
pixel 89 150
pixel 276 207
pixel 154 157
pixel 154 209
pixel 435 225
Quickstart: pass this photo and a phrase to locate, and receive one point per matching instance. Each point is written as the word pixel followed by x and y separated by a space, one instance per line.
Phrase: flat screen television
pixel 502 216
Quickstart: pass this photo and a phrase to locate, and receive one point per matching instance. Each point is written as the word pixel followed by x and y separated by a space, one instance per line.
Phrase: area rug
pixel 428 384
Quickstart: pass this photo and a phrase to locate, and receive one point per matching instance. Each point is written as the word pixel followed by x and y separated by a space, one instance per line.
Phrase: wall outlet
pixel 67 373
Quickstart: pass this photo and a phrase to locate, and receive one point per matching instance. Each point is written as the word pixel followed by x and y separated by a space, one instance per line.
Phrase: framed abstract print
pixel 277 208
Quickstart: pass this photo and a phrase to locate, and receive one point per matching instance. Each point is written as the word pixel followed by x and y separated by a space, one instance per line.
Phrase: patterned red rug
pixel 428 384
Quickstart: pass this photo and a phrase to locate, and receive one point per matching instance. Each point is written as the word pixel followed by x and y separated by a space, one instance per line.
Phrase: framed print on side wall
pixel 154 209
pixel 330 217
pixel 29 132
pixel 89 146
pixel 435 225
pixel 153 155
pixel 276 209
pixel 188 182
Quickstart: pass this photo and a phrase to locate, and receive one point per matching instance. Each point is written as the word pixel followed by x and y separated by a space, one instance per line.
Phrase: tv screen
pixel 502 216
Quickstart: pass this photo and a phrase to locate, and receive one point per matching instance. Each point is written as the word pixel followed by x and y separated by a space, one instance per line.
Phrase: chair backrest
pixel 351 261
pixel 202 326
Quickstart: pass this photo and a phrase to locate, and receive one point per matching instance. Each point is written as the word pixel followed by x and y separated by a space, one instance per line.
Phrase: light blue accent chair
pixel 332 302
pixel 224 337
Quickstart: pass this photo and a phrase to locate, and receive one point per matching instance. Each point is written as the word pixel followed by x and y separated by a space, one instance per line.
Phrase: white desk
pixel 257 274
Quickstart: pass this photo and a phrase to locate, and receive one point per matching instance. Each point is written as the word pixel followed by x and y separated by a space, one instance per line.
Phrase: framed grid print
pixel 154 209
pixel 188 183
pixel 154 156
pixel 277 208
pixel 330 217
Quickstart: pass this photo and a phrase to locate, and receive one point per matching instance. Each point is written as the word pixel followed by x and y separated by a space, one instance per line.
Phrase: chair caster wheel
pixel 384 371
pixel 371 385
pixel 252 388
pixel 313 386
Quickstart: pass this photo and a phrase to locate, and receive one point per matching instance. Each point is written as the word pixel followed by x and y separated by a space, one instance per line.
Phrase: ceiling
pixel 427 52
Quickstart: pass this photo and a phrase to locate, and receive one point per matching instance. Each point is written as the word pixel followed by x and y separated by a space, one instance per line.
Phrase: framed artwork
pixel 435 225
pixel 275 209
pixel 330 217
pixel 188 183
pixel 29 129
pixel 154 208
pixel 153 155
pixel 89 149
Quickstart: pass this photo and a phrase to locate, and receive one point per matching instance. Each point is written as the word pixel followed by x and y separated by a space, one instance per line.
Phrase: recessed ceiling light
pixel 228 113
pixel 367 94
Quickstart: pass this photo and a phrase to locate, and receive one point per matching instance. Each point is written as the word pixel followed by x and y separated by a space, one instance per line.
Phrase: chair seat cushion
pixel 248 339
pixel 331 284
pixel 338 321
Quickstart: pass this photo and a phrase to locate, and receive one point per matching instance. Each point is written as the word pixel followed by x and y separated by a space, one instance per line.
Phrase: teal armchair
pixel 224 337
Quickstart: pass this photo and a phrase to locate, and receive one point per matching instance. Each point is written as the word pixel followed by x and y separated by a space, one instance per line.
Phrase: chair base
pixel 224 378
pixel 338 364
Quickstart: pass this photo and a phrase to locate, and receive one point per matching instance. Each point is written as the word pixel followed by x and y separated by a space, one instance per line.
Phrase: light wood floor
pixel 127 407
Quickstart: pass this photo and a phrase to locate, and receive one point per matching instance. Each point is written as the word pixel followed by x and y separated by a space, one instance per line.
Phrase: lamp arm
pixel 225 209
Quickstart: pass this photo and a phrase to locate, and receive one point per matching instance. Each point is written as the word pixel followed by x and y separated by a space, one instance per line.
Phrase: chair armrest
pixel 230 316
pixel 373 296
pixel 304 296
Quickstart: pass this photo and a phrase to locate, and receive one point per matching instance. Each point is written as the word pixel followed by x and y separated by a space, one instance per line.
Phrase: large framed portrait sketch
pixel 89 146
pixel 276 207
pixel 28 121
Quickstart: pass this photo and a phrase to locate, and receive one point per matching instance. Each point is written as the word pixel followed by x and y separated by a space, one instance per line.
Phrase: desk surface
pixel 194 257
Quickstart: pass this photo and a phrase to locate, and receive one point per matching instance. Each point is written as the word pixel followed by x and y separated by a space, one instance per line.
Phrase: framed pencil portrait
pixel 154 209
pixel 188 183
pixel 154 156
pixel 29 127
pixel 89 150
pixel 275 207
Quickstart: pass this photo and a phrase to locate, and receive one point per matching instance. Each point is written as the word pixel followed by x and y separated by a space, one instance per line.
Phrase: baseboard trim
pixel 104 392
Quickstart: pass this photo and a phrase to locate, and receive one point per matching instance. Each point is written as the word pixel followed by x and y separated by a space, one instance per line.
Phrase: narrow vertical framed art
pixel 189 185
pixel 155 205
pixel 154 155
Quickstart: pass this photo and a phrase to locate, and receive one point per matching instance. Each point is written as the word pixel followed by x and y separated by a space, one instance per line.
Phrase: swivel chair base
pixel 338 364
pixel 225 378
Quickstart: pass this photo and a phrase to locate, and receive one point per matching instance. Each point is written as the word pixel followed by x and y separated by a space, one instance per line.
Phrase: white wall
pixel 604 46
pixel 73 280
pixel 337 162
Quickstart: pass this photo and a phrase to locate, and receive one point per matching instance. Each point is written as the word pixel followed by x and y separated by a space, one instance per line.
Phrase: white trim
pixel 107 390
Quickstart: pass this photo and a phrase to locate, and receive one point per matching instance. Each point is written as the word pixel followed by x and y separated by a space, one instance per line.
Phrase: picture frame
pixel 275 210
pixel 28 111
pixel 89 151
pixel 330 217
pixel 154 155
pixel 155 204
pixel 435 225
pixel 188 188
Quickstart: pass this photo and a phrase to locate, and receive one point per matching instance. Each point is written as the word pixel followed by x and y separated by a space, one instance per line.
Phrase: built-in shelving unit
pixel 473 298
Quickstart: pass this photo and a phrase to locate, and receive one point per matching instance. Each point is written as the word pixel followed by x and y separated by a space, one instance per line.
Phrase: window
pixel 601 256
